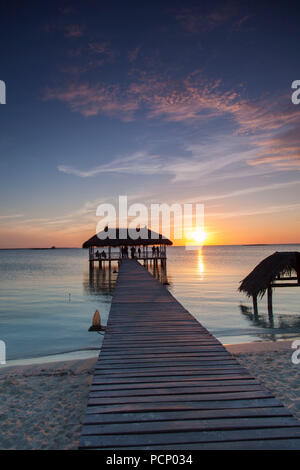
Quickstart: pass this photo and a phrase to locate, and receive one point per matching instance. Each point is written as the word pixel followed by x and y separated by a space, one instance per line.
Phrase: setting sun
pixel 198 236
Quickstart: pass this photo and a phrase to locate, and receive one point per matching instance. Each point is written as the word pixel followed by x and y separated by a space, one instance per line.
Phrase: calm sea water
pixel 48 297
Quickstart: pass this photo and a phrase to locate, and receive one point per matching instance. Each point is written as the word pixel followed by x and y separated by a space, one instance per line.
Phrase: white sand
pixel 271 363
pixel 42 406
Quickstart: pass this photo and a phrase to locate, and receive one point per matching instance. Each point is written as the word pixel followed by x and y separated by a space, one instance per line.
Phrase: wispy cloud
pixel 92 100
pixel 196 161
pixel 242 192
pixel 82 59
pixel 133 54
pixel 103 48
pixel 190 99
pixel 256 211
pixel 196 20
pixel 138 163
pixel 70 30
pixel 74 30
pixel 271 126
pixel 10 216
pixel 281 150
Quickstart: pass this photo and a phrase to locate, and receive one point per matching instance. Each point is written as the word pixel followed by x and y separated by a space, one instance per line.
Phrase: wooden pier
pixel 163 381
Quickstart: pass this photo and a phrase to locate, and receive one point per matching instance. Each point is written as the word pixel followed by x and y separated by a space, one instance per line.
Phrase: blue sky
pixel 163 102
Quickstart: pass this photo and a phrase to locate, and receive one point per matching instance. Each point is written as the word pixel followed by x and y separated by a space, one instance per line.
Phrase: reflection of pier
pixel 272 327
pixel 100 281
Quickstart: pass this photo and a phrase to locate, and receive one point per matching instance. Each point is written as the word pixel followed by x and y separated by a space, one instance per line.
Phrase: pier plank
pixel 163 381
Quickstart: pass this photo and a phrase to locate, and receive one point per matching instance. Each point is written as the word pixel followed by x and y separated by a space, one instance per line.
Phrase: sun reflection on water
pixel 200 263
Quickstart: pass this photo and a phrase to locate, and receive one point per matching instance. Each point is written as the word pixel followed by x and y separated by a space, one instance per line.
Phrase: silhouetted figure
pixel 103 254
pixel 139 252
pixel 132 250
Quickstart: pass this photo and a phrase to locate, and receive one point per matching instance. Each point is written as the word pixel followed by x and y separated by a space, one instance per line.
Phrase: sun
pixel 198 236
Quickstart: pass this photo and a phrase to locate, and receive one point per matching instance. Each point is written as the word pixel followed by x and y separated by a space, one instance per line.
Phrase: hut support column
pixel 109 258
pixel 270 303
pixel 255 308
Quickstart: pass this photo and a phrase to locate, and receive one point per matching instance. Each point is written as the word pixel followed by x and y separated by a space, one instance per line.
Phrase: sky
pixel 165 102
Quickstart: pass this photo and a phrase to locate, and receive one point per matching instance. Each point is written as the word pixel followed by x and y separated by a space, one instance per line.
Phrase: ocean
pixel 48 298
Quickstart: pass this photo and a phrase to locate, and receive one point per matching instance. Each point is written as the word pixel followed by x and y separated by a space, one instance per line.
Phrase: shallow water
pixel 48 297
pixel 206 282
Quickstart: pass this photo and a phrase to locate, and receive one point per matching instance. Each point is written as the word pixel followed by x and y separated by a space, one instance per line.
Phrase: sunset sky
pixel 165 102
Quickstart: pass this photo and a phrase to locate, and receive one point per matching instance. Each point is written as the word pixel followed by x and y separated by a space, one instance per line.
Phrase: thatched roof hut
pixel 279 264
pixel 121 237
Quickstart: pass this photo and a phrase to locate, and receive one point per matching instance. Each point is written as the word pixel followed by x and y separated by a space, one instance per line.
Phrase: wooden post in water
pixel 109 258
pixel 255 308
pixel 270 303
pixel 90 257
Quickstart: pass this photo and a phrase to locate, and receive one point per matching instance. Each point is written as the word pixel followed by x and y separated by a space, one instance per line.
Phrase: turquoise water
pixel 47 297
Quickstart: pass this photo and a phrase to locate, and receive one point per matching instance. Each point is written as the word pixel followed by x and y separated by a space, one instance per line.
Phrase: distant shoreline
pixel 173 246
pixel 39 249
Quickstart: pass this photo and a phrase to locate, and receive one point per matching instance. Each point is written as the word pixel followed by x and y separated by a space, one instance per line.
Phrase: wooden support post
pixel 91 258
pixel 298 275
pixel 255 309
pixel 109 258
pixel 164 270
pixel 91 270
pixel 270 305
pixel 109 274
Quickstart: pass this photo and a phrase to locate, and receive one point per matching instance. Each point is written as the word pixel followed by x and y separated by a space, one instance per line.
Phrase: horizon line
pixel 171 246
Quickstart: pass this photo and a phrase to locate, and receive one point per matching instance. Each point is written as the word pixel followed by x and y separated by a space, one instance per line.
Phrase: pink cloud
pixel 272 126
pixel 93 100
pixel 190 99
pixel 281 150
pixel 69 30
pixel 99 47
pixel 132 55
pixel 195 19
pixel 73 31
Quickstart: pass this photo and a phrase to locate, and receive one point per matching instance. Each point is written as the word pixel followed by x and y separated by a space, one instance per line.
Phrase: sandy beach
pixel 42 405
pixel 271 363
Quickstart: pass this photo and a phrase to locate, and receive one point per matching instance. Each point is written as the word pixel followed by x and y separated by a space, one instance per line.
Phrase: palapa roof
pixel 279 264
pixel 122 237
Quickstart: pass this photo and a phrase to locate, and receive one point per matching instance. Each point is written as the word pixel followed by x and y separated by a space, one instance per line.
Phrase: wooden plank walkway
pixel 164 382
